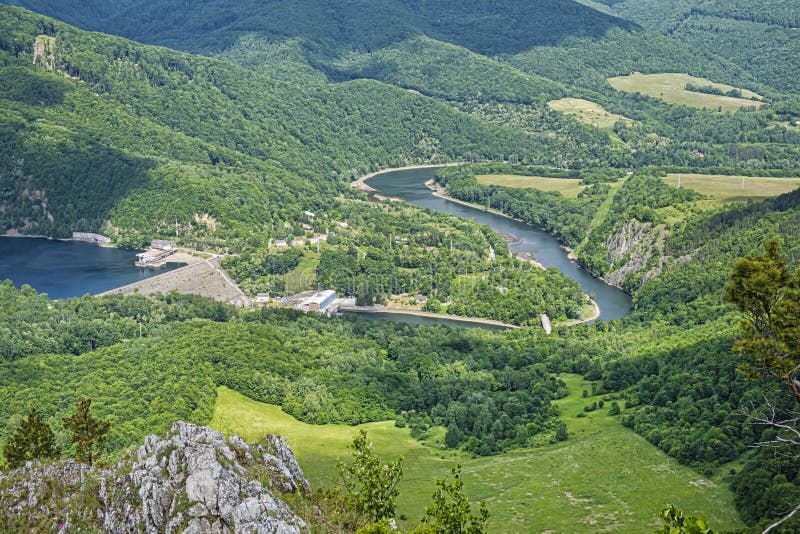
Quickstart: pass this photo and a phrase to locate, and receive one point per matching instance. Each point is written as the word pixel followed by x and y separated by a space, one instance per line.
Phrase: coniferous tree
pixel 87 432
pixel 768 295
pixel 32 440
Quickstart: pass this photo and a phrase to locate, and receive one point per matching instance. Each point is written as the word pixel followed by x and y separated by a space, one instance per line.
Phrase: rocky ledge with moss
pixel 193 480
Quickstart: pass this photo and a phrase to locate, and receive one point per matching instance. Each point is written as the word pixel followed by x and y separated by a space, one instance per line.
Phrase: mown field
pixel 671 88
pixel 569 187
pixel 603 478
pixel 734 188
pixel 587 112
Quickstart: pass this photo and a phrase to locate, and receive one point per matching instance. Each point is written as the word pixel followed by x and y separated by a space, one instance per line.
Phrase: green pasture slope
pixel 603 478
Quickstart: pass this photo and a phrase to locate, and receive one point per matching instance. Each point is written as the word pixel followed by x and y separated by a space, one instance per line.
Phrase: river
pixel 409 185
pixel 65 269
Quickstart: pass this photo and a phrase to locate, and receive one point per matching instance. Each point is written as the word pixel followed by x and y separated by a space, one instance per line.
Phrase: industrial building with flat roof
pixel 321 301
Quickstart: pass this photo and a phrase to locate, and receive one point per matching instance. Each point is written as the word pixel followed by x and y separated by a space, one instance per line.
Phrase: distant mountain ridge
pixel 762 37
pixel 486 27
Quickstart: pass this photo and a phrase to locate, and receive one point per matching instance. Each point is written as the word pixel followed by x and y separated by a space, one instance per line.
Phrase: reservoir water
pixel 409 185
pixel 64 269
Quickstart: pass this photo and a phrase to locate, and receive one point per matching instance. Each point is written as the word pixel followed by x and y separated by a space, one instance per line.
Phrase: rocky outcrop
pixel 631 249
pixel 194 480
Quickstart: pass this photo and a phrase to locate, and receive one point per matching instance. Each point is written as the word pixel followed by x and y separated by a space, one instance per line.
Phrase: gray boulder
pixel 193 480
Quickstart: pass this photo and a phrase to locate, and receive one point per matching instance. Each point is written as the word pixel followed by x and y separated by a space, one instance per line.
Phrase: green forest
pixel 232 127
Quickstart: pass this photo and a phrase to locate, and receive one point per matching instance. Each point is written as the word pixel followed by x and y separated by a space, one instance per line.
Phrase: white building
pixel 321 301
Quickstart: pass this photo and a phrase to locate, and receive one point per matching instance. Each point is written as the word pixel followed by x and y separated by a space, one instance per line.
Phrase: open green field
pixel 303 276
pixel 604 478
pixel 569 187
pixel 729 188
pixel 671 88
pixel 587 112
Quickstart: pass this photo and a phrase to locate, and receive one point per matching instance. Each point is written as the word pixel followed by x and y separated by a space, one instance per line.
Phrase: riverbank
pixel 595 315
pixel 430 315
pixel 527 242
pixel 362 185
pixel 15 234
pixel 439 191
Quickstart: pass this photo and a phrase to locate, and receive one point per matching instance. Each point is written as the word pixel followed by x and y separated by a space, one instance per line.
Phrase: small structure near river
pixel 317 302
pixel 548 327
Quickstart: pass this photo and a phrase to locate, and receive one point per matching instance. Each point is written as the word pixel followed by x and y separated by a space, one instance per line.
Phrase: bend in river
pixel 409 185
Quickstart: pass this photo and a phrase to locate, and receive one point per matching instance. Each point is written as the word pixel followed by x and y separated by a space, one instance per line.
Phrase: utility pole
pixel 679 181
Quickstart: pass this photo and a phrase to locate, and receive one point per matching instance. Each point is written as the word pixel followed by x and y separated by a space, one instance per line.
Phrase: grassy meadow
pixel 569 187
pixel 671 88
pixel 728 189
pixel 603 478
pixel 587 112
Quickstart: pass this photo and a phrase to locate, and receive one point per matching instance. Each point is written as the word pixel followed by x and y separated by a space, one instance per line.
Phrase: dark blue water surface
pixel 409 185
pixel 64 269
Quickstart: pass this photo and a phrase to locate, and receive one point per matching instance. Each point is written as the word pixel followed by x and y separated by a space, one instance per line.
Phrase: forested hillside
pixel 160 119
pixel 248 131
pixel 761 37
pixel 360 25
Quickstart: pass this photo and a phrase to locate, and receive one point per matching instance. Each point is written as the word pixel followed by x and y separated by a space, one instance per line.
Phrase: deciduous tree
pixel 451 512
pixel 371 484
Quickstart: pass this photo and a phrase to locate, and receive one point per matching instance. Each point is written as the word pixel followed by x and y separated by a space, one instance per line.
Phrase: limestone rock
pixel 631 248
pixel 191 481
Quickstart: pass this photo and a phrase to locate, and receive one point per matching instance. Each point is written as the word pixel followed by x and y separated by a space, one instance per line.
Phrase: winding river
pixel 69 269
pixel 409 185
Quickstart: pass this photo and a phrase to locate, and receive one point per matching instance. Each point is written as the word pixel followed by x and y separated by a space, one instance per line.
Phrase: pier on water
pixel 153 258
pixel 156 256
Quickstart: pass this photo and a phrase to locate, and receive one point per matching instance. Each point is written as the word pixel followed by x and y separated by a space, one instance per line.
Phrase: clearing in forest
pixel 600 479
pixel 569 187
pixel 734 188
pixel 671 88
pixel 587 112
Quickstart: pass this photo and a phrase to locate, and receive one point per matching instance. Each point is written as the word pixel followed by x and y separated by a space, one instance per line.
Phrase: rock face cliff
pixel 635 249
pixel 193 480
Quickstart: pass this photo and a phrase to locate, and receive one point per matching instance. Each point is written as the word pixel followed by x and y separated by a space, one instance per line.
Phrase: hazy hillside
pixel 362 25
pixel 761 37
pixel 570 41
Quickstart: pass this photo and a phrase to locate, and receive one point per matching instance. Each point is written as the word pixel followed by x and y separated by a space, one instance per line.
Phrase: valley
pixel 565 237
pixel 530 488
